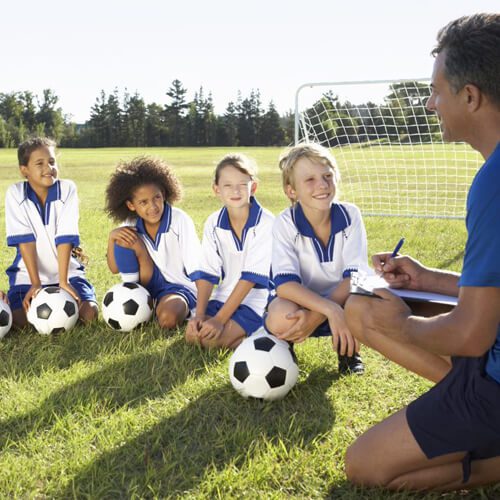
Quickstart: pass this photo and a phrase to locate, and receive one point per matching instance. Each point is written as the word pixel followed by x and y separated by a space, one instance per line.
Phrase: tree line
pixel 127 120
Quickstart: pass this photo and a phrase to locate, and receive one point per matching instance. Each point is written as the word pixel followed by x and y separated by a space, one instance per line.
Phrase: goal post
pixel 388 146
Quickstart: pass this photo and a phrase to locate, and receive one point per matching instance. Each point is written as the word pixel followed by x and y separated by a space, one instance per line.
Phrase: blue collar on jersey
pixel 53 194
pixel 253 219
pixel 339 219
pixel 165 221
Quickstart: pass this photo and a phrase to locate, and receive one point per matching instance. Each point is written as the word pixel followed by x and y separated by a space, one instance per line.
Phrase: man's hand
pixel 387 315
pixel 401 271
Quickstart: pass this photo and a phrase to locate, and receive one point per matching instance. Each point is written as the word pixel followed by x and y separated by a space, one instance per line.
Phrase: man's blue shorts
pixel 246 317
pixel 83 288
pixel 461 413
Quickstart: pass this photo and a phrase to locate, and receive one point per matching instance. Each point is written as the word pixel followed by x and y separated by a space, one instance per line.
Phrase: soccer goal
pixel 388 147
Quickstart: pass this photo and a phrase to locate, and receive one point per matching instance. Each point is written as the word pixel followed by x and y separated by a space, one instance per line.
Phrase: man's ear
pixel 474 97
pixel 130 206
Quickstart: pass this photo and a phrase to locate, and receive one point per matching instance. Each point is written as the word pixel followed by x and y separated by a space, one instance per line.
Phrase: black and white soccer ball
pixel 263 366
pixel 53 310
pixel 126 306
pixel 5 318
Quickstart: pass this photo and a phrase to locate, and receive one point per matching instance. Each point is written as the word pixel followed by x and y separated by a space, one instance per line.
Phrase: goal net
pixel 388 147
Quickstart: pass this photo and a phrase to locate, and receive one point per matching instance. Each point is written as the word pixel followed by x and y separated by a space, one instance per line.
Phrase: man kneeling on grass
pixel 449 438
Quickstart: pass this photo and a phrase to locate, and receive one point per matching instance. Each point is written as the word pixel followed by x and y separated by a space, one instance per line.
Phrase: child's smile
pixel 148 203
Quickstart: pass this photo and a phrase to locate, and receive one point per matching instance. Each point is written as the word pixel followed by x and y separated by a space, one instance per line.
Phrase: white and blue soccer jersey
pixel 48 227
pixel 176 249
pixel 226 259
pixel 298 255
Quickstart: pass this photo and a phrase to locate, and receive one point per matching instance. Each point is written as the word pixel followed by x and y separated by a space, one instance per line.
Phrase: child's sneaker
pixel 351 364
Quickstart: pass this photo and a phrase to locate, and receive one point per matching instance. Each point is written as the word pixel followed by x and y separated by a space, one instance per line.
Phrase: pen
pixel 398 248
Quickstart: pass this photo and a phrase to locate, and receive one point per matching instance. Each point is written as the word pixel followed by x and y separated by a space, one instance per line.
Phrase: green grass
pixel 96 414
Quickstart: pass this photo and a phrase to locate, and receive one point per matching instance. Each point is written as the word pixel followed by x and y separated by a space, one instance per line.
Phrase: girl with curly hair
pixel 156 245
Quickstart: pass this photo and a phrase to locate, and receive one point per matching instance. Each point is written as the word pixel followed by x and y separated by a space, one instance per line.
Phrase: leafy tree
pixel 156 129
pixel 50 116
pixel 227 127
pixel 271 132
pixel 134 121
pixel 249 116
pixel 175 112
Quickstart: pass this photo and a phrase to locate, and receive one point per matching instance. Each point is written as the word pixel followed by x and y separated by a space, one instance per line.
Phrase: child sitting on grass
pixel 157 245
pixel 317 244
pixel 41 215
pixel 236 256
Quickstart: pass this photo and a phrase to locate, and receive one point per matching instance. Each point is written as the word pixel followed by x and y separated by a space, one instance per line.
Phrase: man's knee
pixel 360 471
pixel 355 314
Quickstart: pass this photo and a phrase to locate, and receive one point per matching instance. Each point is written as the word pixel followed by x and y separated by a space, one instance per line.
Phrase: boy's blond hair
pixel 241 162
pixel 314 152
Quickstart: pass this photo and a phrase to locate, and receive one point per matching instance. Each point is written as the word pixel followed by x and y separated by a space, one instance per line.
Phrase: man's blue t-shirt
pixel 482 251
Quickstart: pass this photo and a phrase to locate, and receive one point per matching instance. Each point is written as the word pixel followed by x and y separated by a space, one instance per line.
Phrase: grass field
pixel 99 414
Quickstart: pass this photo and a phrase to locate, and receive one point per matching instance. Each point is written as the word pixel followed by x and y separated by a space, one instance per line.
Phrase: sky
pixel 80 48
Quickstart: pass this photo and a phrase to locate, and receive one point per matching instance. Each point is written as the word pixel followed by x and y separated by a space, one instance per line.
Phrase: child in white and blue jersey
pixel 41 215
pixel 157 245
pixel 236 256
pixel 317 244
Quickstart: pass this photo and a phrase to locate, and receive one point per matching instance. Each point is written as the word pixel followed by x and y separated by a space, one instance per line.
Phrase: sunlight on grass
pixel 100 414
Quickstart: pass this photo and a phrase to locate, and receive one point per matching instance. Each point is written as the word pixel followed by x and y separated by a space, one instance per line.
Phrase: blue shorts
pixel 158 287
pixel 246 317
pixel 83 288
pixel 461 413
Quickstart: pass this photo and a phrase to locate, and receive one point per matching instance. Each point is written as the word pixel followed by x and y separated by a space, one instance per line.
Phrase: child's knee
pixel 88 312
pixel 277 321
pixel 168 319
pixel 19 320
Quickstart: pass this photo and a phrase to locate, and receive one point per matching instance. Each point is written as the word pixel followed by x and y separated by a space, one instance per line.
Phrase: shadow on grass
pixel 453 260
pixel 218 429
pixel 127 382
pixel 29 353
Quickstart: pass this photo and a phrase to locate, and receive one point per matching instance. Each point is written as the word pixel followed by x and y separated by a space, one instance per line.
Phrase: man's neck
pixel 485 136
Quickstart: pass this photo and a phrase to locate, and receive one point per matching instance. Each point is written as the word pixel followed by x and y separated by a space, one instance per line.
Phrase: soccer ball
pixel 263 366
pixel 5 318
pixel 53 310
pixel 127 305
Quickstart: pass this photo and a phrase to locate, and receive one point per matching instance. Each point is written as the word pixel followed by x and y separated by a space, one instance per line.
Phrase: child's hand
pixel 66 286
pixel 302 328
pixel 193 327
pixel 342 339
pixel 3 296
pixel 30 294
pixel 125 237
pixel 211 329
